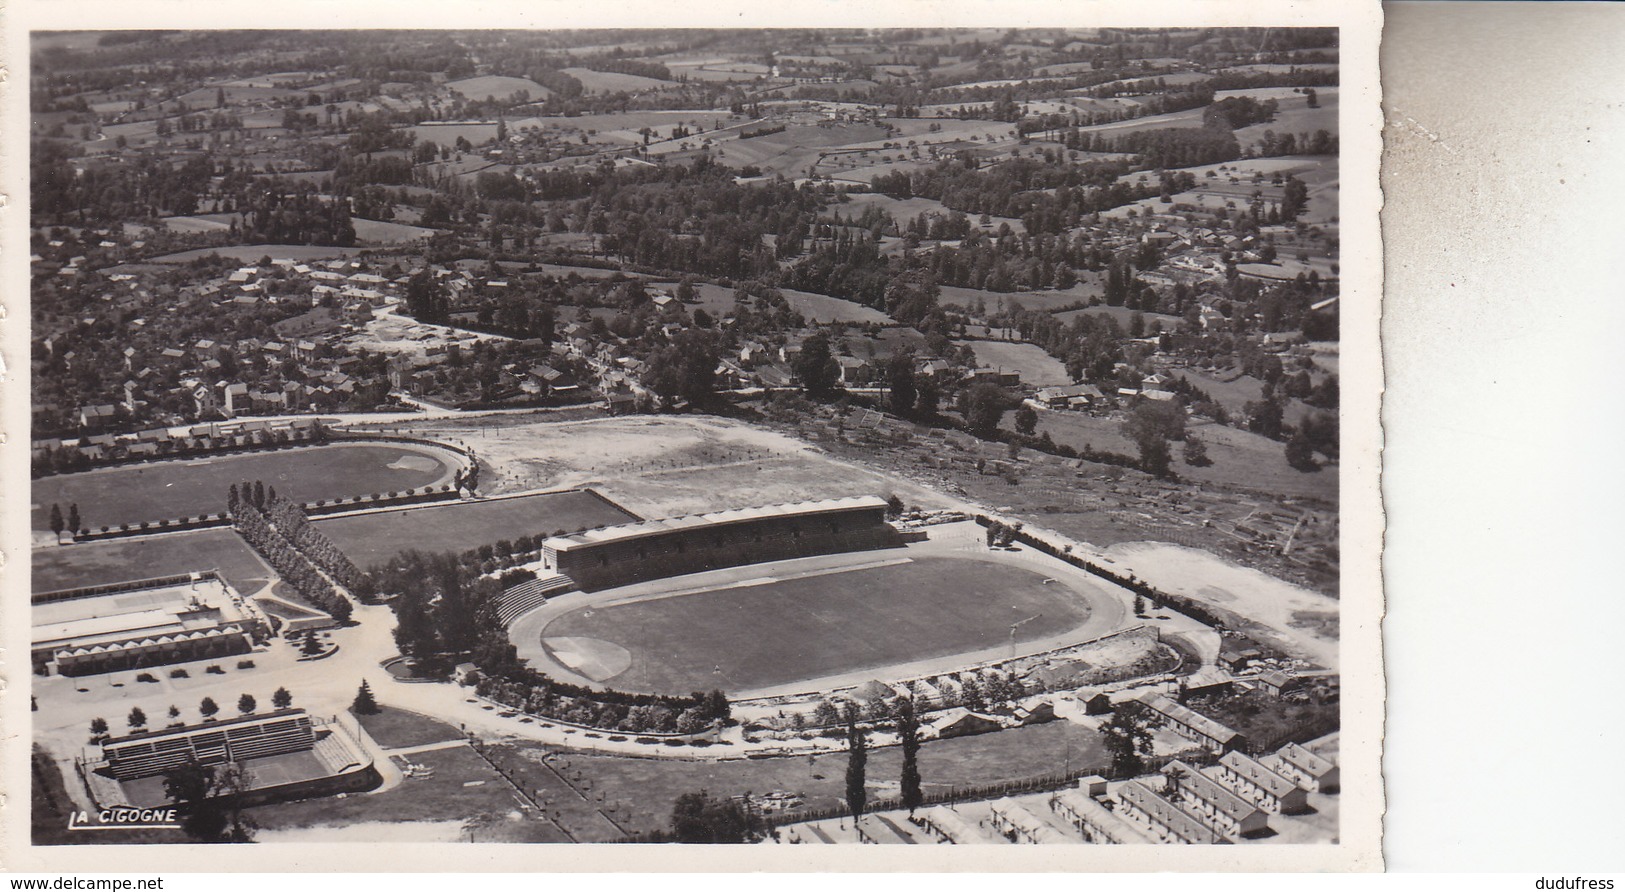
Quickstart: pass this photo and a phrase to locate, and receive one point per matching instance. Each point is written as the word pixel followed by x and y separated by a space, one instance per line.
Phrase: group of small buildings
pixel 1227 802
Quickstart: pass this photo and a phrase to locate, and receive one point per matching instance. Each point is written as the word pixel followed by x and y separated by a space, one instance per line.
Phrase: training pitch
pixel 169 490
pixel 372 539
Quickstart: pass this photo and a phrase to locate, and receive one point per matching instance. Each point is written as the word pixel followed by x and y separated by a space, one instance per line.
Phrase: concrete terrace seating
pixel 336 753
pixel 210 743
pixel 527 596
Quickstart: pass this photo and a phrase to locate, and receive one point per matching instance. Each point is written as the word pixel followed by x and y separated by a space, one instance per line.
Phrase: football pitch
pixel 764 631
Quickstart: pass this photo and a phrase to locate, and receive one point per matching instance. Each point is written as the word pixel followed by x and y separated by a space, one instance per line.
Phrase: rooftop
pixel 631 531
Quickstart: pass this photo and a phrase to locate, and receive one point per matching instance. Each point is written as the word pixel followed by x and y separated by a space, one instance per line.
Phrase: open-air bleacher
pixel 336 754
pixel 527 596
pixel 211 743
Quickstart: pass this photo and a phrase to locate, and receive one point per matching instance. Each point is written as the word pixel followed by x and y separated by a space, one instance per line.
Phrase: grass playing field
pixel 645 789
pixel 779 631
pixel 186 488
pixel 371 539
pixel 117 560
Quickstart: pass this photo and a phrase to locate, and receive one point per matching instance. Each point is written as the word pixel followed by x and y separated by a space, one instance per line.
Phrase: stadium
pixel 793 598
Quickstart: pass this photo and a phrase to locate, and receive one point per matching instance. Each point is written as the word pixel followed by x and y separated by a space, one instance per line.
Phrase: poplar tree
pixel 856 764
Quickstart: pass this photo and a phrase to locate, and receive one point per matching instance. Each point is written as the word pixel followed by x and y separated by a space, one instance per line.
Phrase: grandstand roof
pixel 630 531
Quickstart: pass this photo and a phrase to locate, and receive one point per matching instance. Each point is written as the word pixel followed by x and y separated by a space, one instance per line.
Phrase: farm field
pixel 380 232
pixel 198 223
pixel 248 253
pixel 170 490
pixel 783 631
pixel 498 87
pixel 1089 287
pixel 372 539
pixel 965 761
pixel 476 132
pixel 1123 315
pixel 823 308
pixel 614 82
pixel 791 151
pixel 1037 368
pixel 118 560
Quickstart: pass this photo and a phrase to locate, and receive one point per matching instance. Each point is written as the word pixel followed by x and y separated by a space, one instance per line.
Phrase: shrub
pixel 245 664
pixel 148 677
pixel 617 738
pixel 179 673
pixel 699 743
pixel 674 743
pixel 104 529
pixel 647 740
pixel 214 670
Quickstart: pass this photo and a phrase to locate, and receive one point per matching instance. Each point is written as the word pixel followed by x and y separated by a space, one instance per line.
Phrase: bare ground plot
pixel 648 787
pixel 181 488
pixel 659 467
pixel 1036 367
pixel 372 539
pixel 1091 502
pixel 832 623
pixel 119 560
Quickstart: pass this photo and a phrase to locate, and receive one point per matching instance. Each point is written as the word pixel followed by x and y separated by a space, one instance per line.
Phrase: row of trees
pixel 290 563
pixel 290 520
pixel 137 720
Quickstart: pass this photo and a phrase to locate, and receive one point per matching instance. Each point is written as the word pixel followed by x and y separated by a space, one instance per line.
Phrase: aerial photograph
pixel 783 437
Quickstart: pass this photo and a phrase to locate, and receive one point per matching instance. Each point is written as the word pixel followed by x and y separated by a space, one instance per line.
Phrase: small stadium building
pixel 637 552
pixel 136 625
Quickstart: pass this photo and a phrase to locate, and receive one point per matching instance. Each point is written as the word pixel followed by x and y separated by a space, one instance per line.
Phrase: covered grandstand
pixel 653 549
pixel 141 624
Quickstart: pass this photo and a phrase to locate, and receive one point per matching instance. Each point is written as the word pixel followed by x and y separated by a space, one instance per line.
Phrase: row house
pixel 1167 822
pixel 1094 821
pixel 1193 726
pixel 1209 802
pixel 1316 774
pixel 1252 780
